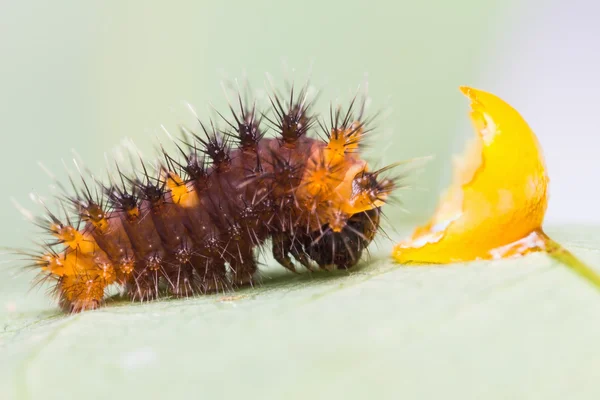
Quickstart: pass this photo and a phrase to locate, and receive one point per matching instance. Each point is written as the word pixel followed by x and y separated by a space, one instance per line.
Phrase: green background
pixel 84 75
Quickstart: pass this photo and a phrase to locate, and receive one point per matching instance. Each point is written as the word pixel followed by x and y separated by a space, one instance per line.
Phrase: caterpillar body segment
pixel 193 226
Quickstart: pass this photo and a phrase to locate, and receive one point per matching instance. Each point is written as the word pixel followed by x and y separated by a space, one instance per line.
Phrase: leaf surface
pixel 521 328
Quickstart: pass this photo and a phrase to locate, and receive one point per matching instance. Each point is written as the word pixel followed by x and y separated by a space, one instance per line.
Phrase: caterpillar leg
pixel 282 245
pixel 80 293
pixel 286 245
pixel 243 265
pixel 143 285
pixel 299 254
pixel 183 281
pixel 212 273
pixel 243 271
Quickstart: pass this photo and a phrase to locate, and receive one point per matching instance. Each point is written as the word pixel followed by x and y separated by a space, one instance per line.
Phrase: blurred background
pixel 84 75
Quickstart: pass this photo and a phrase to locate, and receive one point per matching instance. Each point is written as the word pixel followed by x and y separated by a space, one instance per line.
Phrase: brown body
pixel 199 234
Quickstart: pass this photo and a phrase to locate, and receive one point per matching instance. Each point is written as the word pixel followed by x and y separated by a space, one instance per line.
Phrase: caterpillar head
pixel 337 184
pixel 358 192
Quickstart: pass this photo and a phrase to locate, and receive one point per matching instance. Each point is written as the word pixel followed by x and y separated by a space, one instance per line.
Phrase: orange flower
pixel 496 204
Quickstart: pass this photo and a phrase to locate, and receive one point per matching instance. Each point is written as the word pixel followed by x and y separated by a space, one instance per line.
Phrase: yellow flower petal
pixel 498 196
pixel 496 204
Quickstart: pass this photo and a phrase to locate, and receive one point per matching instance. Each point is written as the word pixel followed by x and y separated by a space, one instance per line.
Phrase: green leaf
pixel 522 328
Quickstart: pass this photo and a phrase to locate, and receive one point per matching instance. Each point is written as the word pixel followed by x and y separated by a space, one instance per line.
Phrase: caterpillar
pixel 194 225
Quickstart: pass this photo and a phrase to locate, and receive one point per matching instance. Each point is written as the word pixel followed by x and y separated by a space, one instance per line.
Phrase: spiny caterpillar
pixel 193 226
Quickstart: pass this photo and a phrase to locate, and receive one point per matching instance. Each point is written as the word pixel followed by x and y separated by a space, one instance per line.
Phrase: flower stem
pixel 564 256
